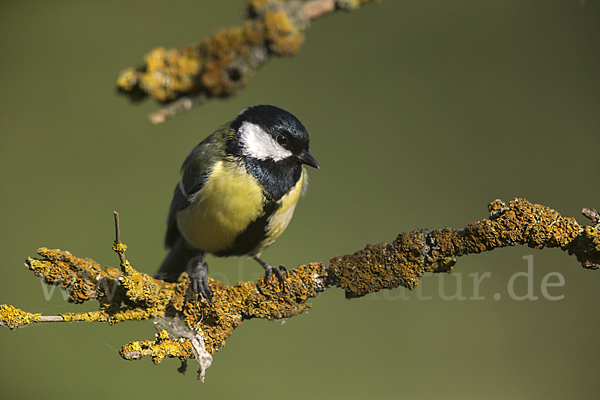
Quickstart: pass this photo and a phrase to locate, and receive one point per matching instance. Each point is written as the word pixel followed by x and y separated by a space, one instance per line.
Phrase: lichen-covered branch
pixel 404 261
pixel 192 328
pixel 222 64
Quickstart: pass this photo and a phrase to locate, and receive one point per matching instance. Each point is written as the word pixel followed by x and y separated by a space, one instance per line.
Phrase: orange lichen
pixel 74 275
pixel 129 295
pixel 232 304
pixel 122 296
pixel 404 261
pixel 222 63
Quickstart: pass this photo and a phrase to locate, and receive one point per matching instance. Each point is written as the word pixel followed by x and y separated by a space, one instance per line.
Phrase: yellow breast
pixel 229 200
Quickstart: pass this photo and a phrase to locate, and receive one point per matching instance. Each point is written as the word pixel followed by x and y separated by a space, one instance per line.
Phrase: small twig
pixel 317 8
pixel 138 354
pixel 52 318
pixel 592 215
pixel 117 228
pixel 119 247
pixel 177 107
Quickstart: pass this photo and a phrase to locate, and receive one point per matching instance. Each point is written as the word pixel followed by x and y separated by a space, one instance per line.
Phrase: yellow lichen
pixel 128 79
pixel 92 316
pixel 73 274
pixel 140 287
pixel 283 37
pixel 167 73
pixel 404 261
pixel 129 295
pixel 222 63
pixel 159 349
pixel 14 318
pixel 119 247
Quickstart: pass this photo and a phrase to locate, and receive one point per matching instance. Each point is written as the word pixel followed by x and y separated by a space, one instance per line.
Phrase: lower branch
pixel 192 328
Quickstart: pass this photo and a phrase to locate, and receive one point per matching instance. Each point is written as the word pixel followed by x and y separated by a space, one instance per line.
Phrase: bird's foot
pixel 280 272
pixel 200 281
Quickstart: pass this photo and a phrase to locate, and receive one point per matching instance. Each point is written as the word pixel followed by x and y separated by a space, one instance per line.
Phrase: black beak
pixel 307 159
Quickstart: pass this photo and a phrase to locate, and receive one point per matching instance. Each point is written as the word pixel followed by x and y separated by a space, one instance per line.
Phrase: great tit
pixel 237 194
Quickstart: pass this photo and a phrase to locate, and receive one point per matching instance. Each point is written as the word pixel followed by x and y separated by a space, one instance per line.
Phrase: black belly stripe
pixel 247 241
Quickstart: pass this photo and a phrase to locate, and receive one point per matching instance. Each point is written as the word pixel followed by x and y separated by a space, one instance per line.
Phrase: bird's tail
pixel 182 257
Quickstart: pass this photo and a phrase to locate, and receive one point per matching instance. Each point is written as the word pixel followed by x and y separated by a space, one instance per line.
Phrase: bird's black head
pixel 268 133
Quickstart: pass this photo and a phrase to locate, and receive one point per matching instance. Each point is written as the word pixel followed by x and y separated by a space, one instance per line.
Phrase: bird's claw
pixel 280 272
pixel 270 270
pixel 200 282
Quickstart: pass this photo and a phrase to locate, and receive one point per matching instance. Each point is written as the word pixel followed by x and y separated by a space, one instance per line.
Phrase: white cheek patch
pixel 259 144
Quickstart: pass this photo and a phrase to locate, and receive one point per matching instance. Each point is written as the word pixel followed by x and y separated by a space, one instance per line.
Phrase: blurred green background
pixel 420 113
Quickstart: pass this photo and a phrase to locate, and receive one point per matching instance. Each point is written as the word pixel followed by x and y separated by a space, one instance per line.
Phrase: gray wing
pixel 180 202
pixel 195 170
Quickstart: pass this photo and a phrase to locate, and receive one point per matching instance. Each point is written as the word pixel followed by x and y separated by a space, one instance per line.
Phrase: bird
pixel 237 194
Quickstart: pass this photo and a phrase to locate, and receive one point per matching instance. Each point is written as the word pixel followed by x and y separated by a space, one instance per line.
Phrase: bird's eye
pixel 282 140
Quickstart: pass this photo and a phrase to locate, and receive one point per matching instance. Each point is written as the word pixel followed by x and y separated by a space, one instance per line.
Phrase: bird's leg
pixel 270 270
pixel 200 280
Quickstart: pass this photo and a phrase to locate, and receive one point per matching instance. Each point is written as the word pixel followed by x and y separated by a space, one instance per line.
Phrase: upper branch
pixel 222 64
